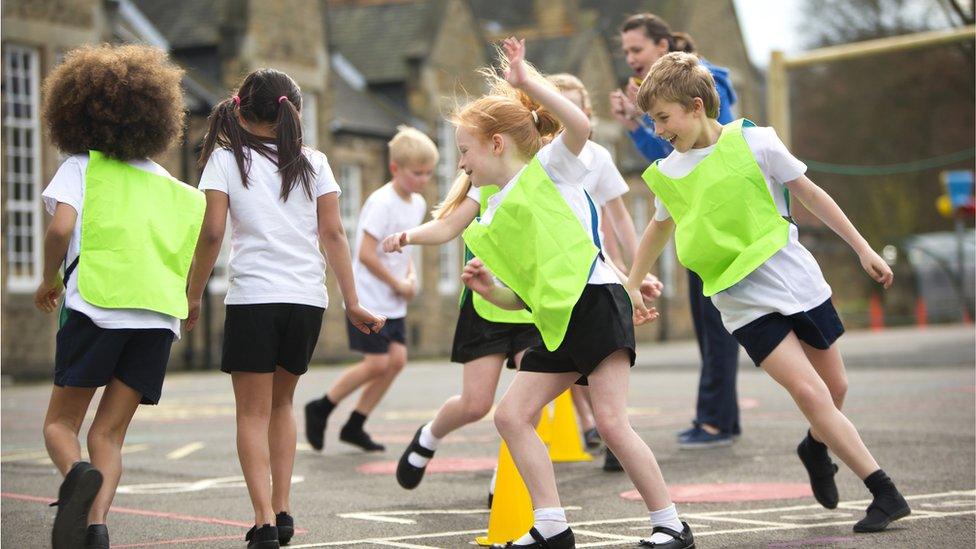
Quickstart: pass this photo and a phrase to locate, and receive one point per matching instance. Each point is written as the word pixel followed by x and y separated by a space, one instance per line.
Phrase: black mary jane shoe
pixel 407 475
pixel 286 527
pixel 821 471
pixel 682 540
pixel 75 497
pixel 265 537
pixel 562 540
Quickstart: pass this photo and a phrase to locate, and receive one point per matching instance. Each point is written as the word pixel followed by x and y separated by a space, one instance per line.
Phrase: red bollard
pixel 876 313
pixel 921 313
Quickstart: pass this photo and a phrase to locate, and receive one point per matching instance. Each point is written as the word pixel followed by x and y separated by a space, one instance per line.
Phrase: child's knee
pixel 395 365
pixel 376 365
pixel 810 396
pixel 475 408
pixel 104 434
pixel 612 426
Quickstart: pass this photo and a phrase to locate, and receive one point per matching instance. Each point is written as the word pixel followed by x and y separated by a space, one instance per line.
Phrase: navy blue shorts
pixel 819 327
pixel 377 343
pixel 262 336
pixel 88 355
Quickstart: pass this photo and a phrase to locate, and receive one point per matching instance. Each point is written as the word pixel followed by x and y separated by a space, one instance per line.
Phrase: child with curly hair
pixel 126 230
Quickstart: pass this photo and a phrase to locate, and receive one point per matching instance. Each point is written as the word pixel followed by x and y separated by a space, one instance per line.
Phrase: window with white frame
pixel 310 126
pixel 351 201
pixel 22 163
pixel 449 254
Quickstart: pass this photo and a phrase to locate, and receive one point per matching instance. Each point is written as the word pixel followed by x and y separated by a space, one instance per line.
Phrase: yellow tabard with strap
pixel 138 234
pixel 536 246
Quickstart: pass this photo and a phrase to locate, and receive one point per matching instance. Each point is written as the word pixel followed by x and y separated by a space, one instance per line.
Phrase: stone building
pixel 365 67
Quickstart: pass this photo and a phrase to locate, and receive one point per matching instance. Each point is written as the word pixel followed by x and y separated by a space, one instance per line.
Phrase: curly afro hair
pixel 124 101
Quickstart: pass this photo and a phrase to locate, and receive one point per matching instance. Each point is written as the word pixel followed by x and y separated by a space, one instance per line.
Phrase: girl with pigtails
pixel 283 203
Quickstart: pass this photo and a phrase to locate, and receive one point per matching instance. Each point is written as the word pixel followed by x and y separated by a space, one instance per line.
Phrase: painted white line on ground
pixel 391 516
pixel 399 544
pixel 184 451
pixel 130 449
pixel 617 539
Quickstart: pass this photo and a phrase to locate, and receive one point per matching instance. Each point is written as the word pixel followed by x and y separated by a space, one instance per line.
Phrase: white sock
pixel 667 517
pixel 427 440
pixel 494 477
pixel 549 521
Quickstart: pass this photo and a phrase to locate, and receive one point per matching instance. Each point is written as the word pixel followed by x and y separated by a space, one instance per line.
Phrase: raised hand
pixel 514 49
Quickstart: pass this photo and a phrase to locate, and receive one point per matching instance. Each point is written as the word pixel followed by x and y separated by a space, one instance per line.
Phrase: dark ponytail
pixel 266 96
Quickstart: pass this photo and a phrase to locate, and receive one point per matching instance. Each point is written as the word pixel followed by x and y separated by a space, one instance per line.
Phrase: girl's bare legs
pixel 282 439
pixel 65 413
pixel 253 393
pixel 479 379
pixel 105 437
pixel 523 400
pixel 790 366
pixel 609 384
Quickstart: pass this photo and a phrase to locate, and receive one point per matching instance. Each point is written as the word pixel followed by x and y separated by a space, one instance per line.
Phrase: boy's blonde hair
pixel 411 146
pixel 569 82
pixel 679 77
pixel 503 110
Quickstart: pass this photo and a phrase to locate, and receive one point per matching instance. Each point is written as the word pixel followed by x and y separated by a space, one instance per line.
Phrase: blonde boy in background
pixel 386 283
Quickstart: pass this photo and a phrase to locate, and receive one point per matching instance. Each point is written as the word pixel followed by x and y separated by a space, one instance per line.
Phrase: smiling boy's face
pixel 676 124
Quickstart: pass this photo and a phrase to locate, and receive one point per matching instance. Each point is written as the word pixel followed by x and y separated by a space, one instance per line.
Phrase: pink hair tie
pixel 237 100
pixel 282 98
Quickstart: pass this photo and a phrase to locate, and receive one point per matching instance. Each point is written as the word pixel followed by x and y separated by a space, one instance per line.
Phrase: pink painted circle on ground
pixel 439 465
pixel 721 493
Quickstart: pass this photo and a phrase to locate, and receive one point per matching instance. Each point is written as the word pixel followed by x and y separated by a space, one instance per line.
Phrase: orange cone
pixel 876 312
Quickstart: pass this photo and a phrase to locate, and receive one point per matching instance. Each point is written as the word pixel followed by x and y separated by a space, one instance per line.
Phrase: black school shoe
pixel 562 540
pixel 97 537
pixel 407 475
pixel 265 537
pixel 682 540
pixel 885 509
pixel 286 527
pixel 360 438
pixel 821 470
pixel 75 498
pixel 315 419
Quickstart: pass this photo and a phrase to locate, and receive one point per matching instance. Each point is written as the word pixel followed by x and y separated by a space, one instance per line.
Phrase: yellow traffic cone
pixel 544 428
pixel 566 443
pixel 511 509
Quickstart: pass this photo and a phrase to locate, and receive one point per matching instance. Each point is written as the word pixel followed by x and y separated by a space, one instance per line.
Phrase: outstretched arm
pixel 826 209
pixel 575 122
pixel 435 231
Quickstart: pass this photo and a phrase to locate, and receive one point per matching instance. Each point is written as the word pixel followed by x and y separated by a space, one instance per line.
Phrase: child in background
pixel 139 226
pixel 284 205
pixel 725 193
pixel 386 283
pixel 606 187
pixel 540 237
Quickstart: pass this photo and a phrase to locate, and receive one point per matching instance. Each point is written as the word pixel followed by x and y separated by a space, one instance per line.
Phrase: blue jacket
pixel 653 147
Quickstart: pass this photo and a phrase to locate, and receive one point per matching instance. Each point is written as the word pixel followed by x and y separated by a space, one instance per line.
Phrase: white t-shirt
pixel 68 187
pixel 568 172
pixel 274 247
pixel 603 183
pixel 383 214
pixel 790 281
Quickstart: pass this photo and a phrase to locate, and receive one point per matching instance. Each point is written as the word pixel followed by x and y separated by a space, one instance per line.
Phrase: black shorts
pixel 377 343
pixel 475 337
pixel 262 336
pixel 602 323
pixel 819 327
pixel 88 355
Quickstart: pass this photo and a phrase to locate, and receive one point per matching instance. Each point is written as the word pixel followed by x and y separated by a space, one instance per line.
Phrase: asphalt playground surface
pixel 912 396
